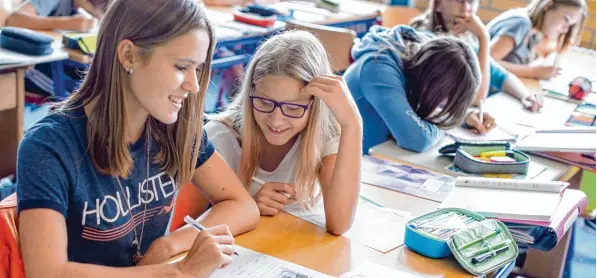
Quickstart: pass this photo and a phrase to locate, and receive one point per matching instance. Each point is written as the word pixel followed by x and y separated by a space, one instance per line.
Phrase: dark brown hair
pixel 445 71
pixel 538 8
pixel 148 24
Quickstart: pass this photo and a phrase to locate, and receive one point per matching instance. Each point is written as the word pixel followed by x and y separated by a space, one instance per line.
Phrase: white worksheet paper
pixel 379 228
pixel 252 264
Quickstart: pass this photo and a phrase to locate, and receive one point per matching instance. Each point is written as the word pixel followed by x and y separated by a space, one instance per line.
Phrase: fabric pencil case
pixel 487 157
pixel 479 245
pixel 26 41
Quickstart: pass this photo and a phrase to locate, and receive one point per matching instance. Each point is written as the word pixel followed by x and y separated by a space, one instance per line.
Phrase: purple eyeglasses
pixel 290 110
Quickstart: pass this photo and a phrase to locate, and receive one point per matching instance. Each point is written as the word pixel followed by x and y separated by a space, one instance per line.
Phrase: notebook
pixel 544 235
pixel 506 198
pixel 581 142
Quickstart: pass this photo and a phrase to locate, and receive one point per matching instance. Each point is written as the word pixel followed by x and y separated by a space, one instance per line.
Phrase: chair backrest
pixel 395 15
pixel 336 41
pixel 11 262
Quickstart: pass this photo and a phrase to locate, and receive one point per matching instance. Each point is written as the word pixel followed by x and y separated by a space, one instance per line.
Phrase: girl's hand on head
pixel 470 23
pixel 273 196
pixel 533 102
pixel 478 127
pixel 334 92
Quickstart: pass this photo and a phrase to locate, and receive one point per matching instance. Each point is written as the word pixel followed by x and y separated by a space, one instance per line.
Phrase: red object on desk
pixel 255 19
pixel 579 88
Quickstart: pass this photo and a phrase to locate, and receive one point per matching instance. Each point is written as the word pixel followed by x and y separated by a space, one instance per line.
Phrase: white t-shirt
pixel 224 140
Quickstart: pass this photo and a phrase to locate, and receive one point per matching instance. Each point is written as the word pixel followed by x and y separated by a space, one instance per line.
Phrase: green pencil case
pixel 487 241
pixel 466 157
pixel 483 248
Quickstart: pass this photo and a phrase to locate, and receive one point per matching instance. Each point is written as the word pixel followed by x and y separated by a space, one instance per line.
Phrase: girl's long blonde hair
pixel 299 55
pixel 148 24
pixel 538 8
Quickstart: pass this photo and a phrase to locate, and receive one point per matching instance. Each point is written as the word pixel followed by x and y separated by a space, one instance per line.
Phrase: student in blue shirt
pixel 458 18
pixel 409 86
pixel 97 179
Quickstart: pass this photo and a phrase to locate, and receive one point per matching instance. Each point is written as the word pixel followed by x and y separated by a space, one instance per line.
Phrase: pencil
pixel 261 182
pixel 481 110
pixel 197 226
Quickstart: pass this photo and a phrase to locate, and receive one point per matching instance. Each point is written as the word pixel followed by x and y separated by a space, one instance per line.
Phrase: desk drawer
pixel 8 91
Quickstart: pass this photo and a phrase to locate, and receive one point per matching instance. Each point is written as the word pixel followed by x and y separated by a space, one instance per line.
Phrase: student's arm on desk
pixel 45 253
pixel 232 205
pixel 28 18
pixel 384 89
pixel 501 46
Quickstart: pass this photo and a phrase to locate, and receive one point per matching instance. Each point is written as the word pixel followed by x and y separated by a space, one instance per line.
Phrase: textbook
pixel 506 198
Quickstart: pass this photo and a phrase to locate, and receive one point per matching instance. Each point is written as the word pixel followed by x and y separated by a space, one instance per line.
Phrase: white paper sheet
pixel 379 228
pixel 371 270
pixel 252 264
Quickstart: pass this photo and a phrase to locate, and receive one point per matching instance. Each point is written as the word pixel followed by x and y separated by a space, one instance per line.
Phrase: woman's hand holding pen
pixel 273 196
pixel 212 249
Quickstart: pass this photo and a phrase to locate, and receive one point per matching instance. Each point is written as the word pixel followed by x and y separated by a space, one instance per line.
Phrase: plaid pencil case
pixel 487 157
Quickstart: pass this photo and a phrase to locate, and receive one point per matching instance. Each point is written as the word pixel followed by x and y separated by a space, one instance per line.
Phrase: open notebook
pixel 506 198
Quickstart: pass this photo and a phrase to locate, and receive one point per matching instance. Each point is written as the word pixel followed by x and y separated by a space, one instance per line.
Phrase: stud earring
pixel 130 70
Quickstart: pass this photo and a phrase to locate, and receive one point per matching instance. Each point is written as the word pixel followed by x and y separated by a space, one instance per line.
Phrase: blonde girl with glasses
pixel 295 127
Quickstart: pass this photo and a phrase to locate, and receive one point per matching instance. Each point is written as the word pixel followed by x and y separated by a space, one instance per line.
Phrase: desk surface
pixel 295 240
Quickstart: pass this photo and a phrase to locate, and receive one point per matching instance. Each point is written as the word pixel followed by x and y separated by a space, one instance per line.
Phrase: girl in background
pixel 516 33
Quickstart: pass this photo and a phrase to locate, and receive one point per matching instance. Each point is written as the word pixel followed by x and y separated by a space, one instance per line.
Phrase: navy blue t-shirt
pixel 54 171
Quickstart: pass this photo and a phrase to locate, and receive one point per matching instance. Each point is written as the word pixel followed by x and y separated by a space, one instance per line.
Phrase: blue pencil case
pixel 469 157
pixel 479 245
pixel 26 41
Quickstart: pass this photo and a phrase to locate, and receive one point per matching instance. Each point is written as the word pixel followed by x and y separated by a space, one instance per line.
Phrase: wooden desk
pixel 295 240
pixel 12 101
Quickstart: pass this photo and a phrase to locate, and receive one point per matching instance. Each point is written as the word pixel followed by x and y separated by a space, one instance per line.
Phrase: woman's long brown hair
pixel 147 23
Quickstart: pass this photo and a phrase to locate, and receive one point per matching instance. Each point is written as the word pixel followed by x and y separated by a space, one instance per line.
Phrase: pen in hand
pixel 261 182
pixel 481 110
pixel 84 13
pixel 189 220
